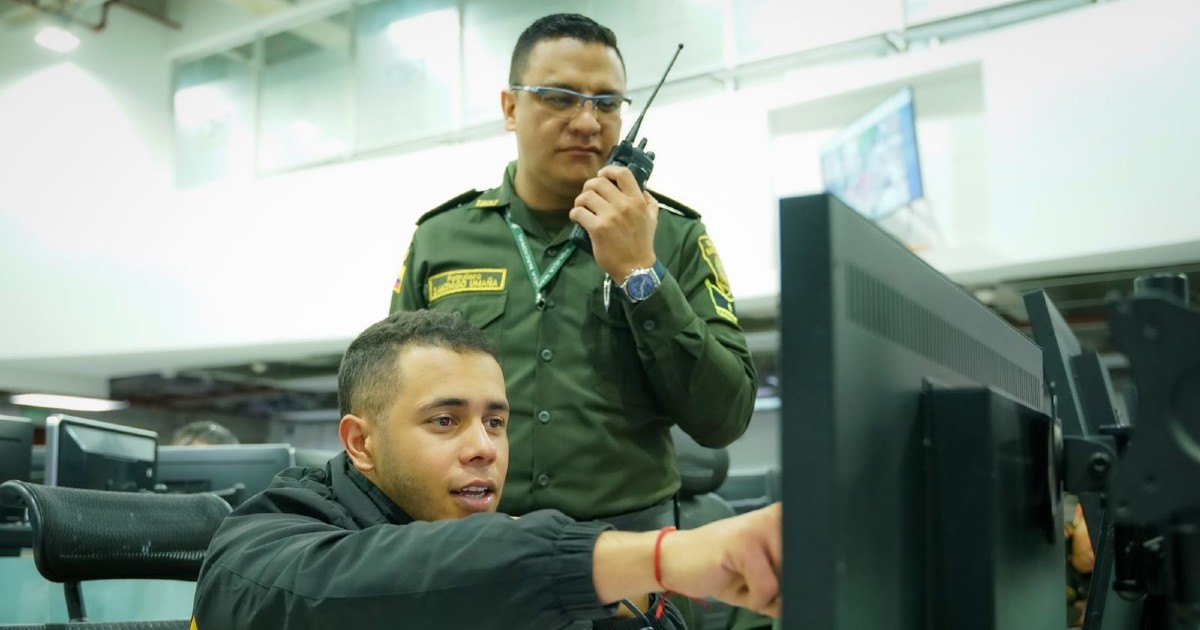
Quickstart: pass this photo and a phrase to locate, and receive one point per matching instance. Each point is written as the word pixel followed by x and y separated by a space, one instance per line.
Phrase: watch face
pixel 640 286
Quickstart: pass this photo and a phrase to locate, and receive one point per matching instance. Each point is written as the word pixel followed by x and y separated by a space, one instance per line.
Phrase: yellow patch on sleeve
pixel 396 288
pixel 486 203
pixel 709 252
pixel 466 281
pixel 722 302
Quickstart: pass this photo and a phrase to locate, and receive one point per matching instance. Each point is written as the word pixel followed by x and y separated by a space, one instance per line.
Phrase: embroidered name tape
pixel 466 281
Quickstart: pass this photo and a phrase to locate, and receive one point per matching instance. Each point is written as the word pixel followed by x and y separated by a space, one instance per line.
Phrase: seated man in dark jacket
pixel 399 531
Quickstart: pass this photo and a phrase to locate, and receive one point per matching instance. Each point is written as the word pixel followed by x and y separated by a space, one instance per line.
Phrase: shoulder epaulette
pixel 673 206
pixel 451 204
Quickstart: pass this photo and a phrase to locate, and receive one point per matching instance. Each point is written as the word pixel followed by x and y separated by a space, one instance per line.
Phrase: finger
pixel 774 535
pixel 622 177
pixel 591 201
pixel 651 202
pixel 599 196
pixel 584 217
pixel 774 608
pixel 761 582
pixel 603 187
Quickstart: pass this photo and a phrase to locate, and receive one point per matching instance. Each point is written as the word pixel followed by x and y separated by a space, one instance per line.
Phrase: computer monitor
pixel 84 453
pixel 917 478
pixel 16 446
pixel 314 457
pixel 872 165
pixel 217 468
pixel 1082 390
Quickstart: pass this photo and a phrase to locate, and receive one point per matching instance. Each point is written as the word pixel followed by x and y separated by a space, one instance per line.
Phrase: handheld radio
pixel 639 161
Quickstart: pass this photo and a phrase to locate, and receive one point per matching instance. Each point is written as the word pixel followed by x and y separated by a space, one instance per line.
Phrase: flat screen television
pixel 84 453
pixel 872 165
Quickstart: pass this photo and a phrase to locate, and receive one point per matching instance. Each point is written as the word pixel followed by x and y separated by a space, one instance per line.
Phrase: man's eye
pixel 558 100
pixel 609 105
pixel 496 423
pixel 443 421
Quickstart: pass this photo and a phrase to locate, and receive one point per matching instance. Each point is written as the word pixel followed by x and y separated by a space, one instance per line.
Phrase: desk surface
pixel 26 597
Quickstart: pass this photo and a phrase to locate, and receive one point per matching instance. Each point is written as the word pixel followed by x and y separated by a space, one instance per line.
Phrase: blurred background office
pixel 202 201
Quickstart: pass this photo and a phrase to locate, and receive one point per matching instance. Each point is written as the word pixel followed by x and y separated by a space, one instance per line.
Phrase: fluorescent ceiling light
pixel 56 39
pixel 70 403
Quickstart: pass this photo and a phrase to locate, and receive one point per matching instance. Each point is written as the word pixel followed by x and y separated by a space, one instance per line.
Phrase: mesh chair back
pixel 95 535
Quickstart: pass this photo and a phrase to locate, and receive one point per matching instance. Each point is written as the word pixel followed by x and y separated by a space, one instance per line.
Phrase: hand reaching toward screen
pixel 737 560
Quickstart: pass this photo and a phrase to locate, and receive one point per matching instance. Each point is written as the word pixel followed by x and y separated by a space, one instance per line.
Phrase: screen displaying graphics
pixel 872 165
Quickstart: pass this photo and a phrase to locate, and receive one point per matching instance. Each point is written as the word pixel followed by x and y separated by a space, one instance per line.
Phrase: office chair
pixel 233 495
pixel 702 470
pixel 81 535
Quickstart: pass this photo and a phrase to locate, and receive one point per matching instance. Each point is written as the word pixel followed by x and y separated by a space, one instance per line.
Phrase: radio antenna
pixel 638 123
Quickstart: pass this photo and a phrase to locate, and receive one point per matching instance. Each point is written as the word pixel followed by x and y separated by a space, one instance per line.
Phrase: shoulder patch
pixel 674 206
pixel 453 203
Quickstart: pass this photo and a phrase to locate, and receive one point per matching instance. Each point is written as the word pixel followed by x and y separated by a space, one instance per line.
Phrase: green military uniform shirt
pixel 593 390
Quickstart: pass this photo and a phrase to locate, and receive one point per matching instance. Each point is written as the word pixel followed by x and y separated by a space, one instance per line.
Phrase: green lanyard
pixel 536 278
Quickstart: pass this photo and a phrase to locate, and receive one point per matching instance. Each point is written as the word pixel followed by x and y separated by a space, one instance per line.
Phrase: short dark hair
pixel 556 26
pixel 367 376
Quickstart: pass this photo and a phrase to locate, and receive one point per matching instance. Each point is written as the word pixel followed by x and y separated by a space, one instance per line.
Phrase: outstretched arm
pixel 736 560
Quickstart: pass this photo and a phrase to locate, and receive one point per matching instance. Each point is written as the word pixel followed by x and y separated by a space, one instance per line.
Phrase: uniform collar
pixel 505 198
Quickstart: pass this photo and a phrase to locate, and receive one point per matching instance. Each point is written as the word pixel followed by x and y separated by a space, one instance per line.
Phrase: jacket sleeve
pixel 408 293
pixel 691 345
pixel 273 570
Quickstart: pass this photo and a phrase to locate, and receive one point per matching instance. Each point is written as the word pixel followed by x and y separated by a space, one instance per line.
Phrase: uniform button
pixel 648 325
pixel 543 480
pixel 551 251
pixel 544 417
pixel 457 313
pixel 547 355
pixel 549 303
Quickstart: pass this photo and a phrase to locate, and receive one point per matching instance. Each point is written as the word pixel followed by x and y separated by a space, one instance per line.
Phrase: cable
pixel 637 613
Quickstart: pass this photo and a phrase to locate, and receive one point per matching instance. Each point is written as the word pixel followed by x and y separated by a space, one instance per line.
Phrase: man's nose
pixel 478 445
pixel 584 120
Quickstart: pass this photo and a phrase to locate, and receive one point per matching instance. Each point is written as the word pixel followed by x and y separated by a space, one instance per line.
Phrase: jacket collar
pixel 365 501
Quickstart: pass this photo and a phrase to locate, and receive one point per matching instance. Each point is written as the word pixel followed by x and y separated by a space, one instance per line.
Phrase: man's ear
pixel 358 435
pixel 508 106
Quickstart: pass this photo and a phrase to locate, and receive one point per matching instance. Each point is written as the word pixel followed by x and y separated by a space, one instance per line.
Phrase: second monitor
pixel 191 469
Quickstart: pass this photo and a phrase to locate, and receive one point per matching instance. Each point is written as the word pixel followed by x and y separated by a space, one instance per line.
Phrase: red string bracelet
pixel 662 600
pixel 662 533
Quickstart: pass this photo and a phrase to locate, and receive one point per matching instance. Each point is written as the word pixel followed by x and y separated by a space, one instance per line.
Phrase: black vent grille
pixel 876 306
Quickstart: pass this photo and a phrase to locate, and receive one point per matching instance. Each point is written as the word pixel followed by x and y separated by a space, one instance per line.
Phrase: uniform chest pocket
pixel 619 375
pixel 483 311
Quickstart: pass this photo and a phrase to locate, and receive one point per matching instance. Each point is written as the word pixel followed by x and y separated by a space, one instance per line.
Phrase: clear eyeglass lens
pixel 569 104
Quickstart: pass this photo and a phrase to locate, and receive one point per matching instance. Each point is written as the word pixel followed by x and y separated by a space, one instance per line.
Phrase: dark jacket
pixel 325 548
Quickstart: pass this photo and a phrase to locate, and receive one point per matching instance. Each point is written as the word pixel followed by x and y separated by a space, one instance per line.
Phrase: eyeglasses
pixel 568 103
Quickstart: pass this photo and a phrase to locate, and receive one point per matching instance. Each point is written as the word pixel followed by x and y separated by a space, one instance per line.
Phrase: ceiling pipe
pixel 99 26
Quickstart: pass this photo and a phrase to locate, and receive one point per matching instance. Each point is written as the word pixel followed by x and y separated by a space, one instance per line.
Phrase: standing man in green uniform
pixel 601 354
